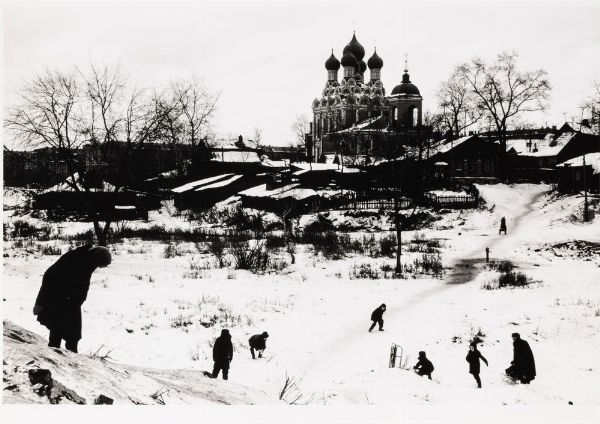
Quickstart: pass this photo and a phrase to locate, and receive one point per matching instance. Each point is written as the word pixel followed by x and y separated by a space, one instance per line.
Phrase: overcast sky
pixel 267 58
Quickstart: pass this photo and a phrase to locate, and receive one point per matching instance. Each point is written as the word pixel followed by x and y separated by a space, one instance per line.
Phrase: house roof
pixel 591 159
pixel 219 184
pixel 198 183
pixel 235 156
pixel 293 191
pixel 445 146
pixel 67 185
pixel 548 146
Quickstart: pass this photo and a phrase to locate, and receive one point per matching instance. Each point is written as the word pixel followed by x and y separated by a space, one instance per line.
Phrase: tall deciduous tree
pixel 65 111
pixel 504 92
pixel 458 104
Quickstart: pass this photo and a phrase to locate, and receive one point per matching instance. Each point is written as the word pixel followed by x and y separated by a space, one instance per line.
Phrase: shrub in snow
pixel 428 263
pixel 513 279
pixel 51 250
pixel 364 271
pixel 250 255
pixel 388 245
pixel 171 251
pixel 502 266
pixel 217 247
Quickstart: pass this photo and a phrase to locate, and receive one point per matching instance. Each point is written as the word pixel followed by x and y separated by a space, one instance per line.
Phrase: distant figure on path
pixel 472 358
pixel 258 342
pixel 377 317
pixel 502 226
pixel 222 354
pixel 423 366
pixel 64 289
pixel 522 367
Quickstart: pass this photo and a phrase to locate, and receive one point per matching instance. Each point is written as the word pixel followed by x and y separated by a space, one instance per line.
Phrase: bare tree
pixel 67 111
pixel 301 128
pixel 194 106
pixel 458 104
pixel 593 105
pixel 254 139
pixel 504 92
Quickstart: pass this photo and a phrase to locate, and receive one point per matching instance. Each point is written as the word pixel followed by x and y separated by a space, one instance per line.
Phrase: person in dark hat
pixel 64 288
pixel 222 354
pixel 522 367
pixel 258 342
pixel 423 366
pixel 377 317
pixel 473 357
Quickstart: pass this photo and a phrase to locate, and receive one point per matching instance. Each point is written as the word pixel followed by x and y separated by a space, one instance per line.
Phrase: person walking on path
pixel 64 288
pixel 222 354
pixel 502 226
pixel 258 342
pixel 473 357
pixel 522 367
pixel 377 317
pixel 423 366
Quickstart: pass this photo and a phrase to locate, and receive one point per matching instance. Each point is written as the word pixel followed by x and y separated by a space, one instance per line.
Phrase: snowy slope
pixel 88 377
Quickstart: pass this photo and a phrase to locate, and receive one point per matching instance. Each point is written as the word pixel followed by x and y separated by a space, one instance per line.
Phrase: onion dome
pixel 362 66
pixel 406 87
pixel 349 59
pixel 332 64
pixel 355 48
pixel 375 62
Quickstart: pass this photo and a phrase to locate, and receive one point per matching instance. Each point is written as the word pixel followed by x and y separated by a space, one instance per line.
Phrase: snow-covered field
pixel 159 312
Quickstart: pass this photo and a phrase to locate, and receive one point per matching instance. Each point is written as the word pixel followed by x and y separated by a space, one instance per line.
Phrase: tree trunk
pixel 398 235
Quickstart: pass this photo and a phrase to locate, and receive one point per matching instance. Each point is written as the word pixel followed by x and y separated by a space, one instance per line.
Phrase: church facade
pixel 351 105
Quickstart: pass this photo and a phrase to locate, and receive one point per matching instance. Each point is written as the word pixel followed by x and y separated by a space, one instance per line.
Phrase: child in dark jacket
pixel 472 358
pixel 423 366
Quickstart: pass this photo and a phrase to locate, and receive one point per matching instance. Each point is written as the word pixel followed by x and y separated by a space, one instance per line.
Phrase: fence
pixel 452 202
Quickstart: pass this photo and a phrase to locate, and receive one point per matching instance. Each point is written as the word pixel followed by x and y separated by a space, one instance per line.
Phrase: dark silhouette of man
pixel 222 354
pixel 423 366
pixel 502 226
pixel 64 288
pixel 522 367
pixel 473 357
pixel 377 317
pixel 258 342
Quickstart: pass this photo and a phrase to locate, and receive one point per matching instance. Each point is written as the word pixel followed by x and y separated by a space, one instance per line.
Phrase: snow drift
pixel 84 379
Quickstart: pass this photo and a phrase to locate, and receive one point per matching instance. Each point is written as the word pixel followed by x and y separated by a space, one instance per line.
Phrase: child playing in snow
pixel 423 366
pixel 472 358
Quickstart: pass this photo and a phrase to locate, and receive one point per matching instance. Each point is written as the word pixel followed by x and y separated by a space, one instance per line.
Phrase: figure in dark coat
pixel 472 358
pixel 522 367
pixel 377 317
pixel 222 354
pixel 258 342
pixel 423 366
pixel 64 289
pixel 502 226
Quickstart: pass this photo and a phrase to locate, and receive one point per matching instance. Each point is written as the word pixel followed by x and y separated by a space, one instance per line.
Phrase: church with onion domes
pixel 354 102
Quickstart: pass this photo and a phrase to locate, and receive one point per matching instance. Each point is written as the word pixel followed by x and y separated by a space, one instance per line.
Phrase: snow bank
pixel 89 377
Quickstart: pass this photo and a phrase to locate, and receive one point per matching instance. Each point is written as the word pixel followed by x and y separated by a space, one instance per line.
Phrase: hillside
pixel 80 378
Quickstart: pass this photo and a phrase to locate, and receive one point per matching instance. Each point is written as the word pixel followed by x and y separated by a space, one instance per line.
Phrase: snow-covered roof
pixel 198 183
pixel 221 183
pixel 67 185
pixel 305 166
pixel 445 146
pixel 235 156
pixel 274 163
pixel 545 147
pixel 288 191
pixel 591 159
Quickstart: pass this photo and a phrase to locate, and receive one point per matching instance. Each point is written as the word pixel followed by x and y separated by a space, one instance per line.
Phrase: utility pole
pixel 586 211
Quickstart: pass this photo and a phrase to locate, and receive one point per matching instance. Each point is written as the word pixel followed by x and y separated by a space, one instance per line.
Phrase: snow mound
pixel 83 379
